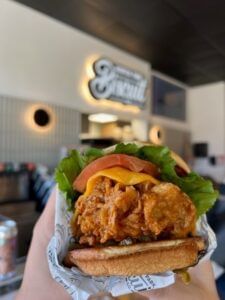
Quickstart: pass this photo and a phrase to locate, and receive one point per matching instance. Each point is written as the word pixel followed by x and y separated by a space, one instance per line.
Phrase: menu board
pixel 168 99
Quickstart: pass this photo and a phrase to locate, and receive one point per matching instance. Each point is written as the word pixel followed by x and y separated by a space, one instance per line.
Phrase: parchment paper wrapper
pixel 81 286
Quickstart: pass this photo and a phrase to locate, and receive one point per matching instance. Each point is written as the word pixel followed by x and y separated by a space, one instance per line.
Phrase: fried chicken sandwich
pixel 135 209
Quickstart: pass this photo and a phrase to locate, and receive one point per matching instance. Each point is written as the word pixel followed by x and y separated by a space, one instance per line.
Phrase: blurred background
pixel 80 73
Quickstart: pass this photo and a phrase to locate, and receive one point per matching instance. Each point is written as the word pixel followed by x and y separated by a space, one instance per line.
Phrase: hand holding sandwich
pixel 38 283
pixel 134 212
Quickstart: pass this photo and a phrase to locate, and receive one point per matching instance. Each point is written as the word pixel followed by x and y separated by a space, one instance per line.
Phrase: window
pixel 169 100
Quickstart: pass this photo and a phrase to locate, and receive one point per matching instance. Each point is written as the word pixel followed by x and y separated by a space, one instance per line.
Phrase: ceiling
pixel 184 39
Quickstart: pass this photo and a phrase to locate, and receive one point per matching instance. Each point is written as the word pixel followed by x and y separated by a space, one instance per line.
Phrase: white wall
pixel 206 116
pixel 42 59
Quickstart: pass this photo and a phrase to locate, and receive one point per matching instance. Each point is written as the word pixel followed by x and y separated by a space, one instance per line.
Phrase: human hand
pixel 37 282
pixel 202 286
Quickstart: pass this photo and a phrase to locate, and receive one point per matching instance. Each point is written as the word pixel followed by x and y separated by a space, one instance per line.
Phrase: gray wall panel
pixel 20 143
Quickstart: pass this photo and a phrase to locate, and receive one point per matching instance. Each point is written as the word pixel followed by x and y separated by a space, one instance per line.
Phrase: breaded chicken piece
pixel 167 208
pixel 115 212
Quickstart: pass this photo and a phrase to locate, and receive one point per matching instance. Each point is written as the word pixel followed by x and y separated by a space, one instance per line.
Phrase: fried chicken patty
pixel 114 211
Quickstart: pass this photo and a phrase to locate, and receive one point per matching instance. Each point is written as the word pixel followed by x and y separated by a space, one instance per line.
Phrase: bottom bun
pixel 137 259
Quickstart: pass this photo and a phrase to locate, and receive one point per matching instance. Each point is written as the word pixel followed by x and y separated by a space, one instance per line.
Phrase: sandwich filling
pixel 119 204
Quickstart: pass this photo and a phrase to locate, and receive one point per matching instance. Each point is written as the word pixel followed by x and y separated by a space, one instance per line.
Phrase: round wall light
pixel 156 135
pixel 39 118
pixel 42 117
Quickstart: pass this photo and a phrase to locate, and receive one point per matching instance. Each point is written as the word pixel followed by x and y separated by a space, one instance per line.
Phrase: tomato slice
pixel 180 171
pixel 108 161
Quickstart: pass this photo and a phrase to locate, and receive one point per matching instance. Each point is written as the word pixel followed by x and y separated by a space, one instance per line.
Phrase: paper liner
pixel 81 286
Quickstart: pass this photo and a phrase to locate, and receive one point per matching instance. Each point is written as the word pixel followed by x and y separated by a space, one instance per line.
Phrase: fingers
pixel 202 286
pixel 44 227
pixel 48 215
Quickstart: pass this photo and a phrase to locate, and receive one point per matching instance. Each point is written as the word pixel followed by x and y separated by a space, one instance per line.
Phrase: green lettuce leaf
pixel 130 149
pixel 69 168
pixel 92 154
pixel 200 191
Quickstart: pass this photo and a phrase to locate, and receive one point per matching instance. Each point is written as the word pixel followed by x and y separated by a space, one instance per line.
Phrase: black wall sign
pixel 117 83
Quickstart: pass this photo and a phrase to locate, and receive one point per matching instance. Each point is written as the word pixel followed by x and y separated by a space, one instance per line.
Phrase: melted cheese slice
pixel 120 175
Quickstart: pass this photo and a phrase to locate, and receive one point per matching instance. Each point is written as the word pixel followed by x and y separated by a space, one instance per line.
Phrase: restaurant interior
pixel 81 73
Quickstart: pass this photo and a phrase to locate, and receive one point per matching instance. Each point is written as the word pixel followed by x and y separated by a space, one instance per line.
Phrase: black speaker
pixel 200 149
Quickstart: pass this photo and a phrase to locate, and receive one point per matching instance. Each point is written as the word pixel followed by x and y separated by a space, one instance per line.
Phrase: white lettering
pixel 117 83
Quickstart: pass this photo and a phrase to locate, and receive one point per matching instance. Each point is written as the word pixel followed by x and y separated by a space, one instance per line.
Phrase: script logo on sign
pixel 117 83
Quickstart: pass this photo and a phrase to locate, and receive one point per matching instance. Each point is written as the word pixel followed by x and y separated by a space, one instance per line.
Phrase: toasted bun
pixel 137 259
pixel 180 162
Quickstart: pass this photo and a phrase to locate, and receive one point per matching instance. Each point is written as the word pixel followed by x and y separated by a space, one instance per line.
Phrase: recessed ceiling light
pixel 102 118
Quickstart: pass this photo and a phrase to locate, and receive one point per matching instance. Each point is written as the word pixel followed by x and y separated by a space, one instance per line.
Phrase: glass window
pixel 169 100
